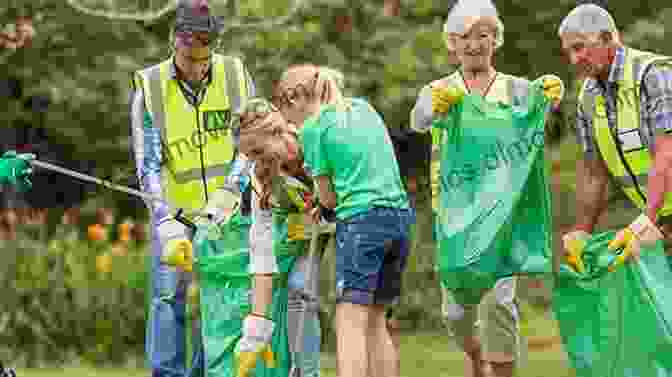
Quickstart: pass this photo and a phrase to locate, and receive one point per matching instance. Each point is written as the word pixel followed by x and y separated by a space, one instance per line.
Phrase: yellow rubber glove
pixel 179 253
pixel 177 249
pixel 626 240
pixel 444 97
pixel 296 226
pixel 574 244
pixel 247 360
pixel 554 88
pixel 641 232
pixel 254 345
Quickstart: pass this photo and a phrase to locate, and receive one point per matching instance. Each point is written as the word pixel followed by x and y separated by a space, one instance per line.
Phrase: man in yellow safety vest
pixel 181 115
pixel 624 124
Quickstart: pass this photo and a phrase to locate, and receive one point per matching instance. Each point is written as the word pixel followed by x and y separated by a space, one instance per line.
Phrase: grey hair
pixel 456 22
pixel 588 18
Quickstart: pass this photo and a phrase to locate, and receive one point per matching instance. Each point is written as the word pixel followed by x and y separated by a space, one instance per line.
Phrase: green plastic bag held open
pixel 494 218
pixel 222 261
pixel 616 324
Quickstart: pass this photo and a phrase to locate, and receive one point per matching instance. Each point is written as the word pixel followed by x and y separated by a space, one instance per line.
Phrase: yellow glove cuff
pixel 622 239
pixel 445 97
pixel 554 88
pixel 247 360
pixel 179 253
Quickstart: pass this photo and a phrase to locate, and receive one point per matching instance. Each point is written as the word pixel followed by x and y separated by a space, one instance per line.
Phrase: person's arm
pixel 312 138
pixel 147 154
pixel 262 259
pixel 592 187
pixel 326 193
pixel 421 114
pixel 592 193
pixel 660 176
pixel 658 107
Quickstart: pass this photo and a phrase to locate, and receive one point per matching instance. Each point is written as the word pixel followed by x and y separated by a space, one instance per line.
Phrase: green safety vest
pixel 182 174
pixel 629 160
pixel 504 90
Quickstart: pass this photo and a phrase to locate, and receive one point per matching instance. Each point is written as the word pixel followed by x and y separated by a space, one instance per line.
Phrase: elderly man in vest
pixel 181 126
pixel 484 319
pixel 624 124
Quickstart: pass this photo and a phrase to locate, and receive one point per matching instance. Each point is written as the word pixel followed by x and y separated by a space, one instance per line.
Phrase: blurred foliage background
pixel 71 83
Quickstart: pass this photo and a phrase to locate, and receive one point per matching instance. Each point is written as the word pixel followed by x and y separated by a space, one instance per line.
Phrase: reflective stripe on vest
pixel 629 164
pixel 502 93
pixel 182 176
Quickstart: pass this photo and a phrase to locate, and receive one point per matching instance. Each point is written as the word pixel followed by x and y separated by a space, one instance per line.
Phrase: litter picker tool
pixel 180 213
pixel 310 298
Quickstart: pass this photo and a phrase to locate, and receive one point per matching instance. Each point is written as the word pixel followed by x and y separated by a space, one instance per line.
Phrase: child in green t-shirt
pixel 346 148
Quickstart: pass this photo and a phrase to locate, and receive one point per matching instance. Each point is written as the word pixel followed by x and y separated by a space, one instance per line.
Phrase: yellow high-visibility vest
pixel 197 144
pixel 629 160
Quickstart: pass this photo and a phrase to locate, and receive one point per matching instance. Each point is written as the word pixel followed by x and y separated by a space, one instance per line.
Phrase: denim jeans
pixel 371 253
pixel 306 351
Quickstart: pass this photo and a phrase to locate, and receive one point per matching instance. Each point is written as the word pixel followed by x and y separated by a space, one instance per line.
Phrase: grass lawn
pixel 432 354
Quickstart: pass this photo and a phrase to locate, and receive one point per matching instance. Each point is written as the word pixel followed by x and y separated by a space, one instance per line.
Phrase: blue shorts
pixel 371 253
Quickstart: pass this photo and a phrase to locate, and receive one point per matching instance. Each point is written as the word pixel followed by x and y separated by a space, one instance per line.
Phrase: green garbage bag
pixel 494 217
pixel 616 324
pixel 222 261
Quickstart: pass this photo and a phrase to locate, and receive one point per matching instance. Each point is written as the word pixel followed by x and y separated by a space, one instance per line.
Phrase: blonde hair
pixel 265 131
pixel 316 82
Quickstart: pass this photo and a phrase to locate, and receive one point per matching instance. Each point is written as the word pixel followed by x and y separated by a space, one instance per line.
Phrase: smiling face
pixel 476 48
pixel 589 53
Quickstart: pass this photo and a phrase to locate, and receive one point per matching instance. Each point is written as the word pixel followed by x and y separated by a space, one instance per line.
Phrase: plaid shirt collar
pixel 616 72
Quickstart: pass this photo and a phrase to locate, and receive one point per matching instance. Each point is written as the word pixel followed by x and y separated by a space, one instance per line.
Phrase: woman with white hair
pixel 481 312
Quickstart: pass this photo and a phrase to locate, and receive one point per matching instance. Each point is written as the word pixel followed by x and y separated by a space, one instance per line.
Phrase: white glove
pixel 221 205
pixel 255 344
pixel 176 246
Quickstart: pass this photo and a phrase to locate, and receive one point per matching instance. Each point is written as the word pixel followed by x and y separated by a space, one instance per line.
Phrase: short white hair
pixel 465 14
pixel 586 19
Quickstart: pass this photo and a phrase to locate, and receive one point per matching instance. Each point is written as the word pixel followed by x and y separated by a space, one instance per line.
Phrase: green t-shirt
pixel 355 150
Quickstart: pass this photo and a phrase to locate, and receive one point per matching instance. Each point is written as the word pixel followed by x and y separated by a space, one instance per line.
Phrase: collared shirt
pixel 655 102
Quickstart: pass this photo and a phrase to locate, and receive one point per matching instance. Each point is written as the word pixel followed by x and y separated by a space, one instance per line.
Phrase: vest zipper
pixel 624 161
pixel 200 151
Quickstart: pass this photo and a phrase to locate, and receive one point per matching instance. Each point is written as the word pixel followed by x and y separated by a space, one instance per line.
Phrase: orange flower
pixel 97 232
pixel 125 231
